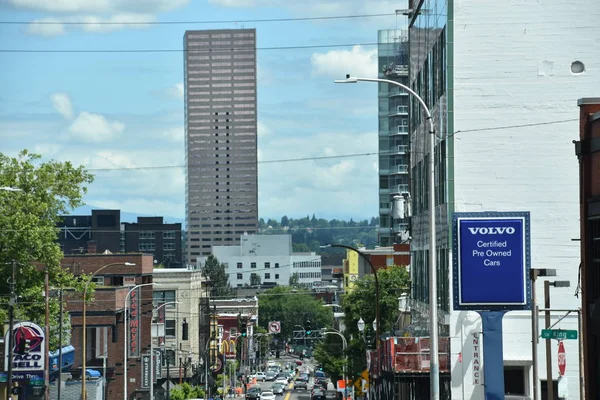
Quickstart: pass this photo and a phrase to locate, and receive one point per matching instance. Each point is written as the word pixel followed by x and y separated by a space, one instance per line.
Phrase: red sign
pixel 134 324
pixel 562 359
pixel 161 320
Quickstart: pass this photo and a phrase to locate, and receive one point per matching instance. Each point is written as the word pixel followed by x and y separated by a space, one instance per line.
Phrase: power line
pixel 282 160
pixel 211 51
pixel 232 21
pixel 496 128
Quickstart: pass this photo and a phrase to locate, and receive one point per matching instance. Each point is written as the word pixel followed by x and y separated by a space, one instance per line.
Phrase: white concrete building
pixel 502 83
pixel 185 286
pixel 270 258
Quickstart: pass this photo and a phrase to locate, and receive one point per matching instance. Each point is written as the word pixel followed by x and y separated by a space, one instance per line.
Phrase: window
pixel 164 296
pixel 276 276
pixel 267 276
pixel 170 327
pixel 98 280
pixel 168 246
pixel 169 235
pixel 240 276
pixel 276 265
pixel 267 265
pixel 239 265
pixel 146 234
pixel 253 265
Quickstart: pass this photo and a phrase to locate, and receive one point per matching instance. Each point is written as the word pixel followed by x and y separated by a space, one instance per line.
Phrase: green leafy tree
pixel 329 354
pixel 186 391
pixel 360 303
pixel 294 279
pixel 292 307
pixel 219 279
pixel 28 237
pixel 254 279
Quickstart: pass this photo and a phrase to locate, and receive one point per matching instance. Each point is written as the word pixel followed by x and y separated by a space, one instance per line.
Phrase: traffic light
pixel 244 328
pixel 308 327
pixel 184 330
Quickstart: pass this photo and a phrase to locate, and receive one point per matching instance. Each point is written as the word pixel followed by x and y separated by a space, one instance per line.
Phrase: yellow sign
pixel 362 383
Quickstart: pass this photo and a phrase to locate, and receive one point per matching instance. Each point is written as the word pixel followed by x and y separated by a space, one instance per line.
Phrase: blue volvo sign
pixel 491 261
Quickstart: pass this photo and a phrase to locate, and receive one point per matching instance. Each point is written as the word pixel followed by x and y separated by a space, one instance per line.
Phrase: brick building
pixel 105 317
pixel 588 152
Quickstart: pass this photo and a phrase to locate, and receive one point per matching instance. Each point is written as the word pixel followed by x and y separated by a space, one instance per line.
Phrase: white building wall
pixel 513 67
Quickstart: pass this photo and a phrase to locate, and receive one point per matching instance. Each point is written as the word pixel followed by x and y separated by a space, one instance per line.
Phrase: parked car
pixel 300 384
pixel 278 388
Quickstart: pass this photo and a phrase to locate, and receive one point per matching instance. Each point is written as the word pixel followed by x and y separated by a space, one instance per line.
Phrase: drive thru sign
pixel 562 359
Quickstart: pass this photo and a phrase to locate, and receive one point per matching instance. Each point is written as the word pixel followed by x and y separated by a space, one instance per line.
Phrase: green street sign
pixel 558 334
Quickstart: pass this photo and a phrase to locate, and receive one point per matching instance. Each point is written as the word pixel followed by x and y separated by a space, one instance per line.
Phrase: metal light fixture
pixel 375 324
pixel 361 325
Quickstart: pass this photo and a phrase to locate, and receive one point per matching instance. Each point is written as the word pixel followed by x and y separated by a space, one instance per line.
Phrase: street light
pixel 345 346
pixel 83 323
pixel 125 335
pixel 376 325
pixel 433 303
pixel 152 351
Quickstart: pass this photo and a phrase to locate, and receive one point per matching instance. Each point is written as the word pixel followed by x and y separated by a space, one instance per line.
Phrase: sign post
pixel 491 264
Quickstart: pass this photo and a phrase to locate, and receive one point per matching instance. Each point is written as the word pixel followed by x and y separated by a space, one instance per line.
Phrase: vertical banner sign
pixel 492 261
pixel 157 364
pixel 161 320
pixel 28 337
pixel 477 364
pixel 146 372
pixel 134 324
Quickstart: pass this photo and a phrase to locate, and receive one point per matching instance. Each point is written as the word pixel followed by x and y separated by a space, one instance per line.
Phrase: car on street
pixel 268 395
pixel 260 376
pixel 321 382
pixel 298 362
pixel 278 388
pixel 317 394
pixel 300 384
pixel 270 376
pixel 253 393
pixel 282 380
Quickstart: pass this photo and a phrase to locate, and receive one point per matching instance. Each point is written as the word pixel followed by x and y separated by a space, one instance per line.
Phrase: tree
pixel 254 279
pixel 219 279
pixel 292 307
pixel 29 235
pixel 360 303
pixel 294 279
pixel 285 221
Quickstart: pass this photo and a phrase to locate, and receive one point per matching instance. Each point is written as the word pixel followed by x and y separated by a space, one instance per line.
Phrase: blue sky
pixel 125 110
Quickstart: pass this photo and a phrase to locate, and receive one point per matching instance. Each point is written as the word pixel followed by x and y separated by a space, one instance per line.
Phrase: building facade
pixel 220 138
pixel 101 231
pixel 394 144
pixel 497 88
pixel 266 260
pixel 107 337
pixel 153 235
pixel 588 153
pixel 182 288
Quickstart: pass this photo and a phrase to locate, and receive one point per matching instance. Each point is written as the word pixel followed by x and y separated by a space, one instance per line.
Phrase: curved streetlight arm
pixel 434 369
pixel 125 334
pixel 374 271
pixel 152 348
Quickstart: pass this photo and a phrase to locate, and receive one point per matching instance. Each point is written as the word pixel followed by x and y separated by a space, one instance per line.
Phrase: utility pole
pixel 11 323
pixel 60 339
pixel 549 380
pixel 47 334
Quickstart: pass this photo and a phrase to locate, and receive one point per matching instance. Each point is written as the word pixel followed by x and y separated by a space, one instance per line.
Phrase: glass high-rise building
pixel 394 143
pixel 220 138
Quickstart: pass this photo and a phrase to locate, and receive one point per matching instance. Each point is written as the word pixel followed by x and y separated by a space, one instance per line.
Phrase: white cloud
pixel 115 22
pixel 336 63
pixel 98 6
pixel 262 129
pixel 174 134
pixel 46 27
pixel 62 104
pixel 91 127
pixel 175 91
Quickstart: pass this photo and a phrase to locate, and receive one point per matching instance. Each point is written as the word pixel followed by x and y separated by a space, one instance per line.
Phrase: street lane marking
pixel 287 396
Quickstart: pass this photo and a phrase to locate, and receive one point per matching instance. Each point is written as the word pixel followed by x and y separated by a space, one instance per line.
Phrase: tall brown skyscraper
pixel 220 138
